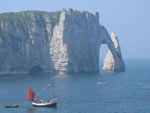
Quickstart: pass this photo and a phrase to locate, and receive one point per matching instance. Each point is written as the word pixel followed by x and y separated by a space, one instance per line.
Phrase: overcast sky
pixel 129 18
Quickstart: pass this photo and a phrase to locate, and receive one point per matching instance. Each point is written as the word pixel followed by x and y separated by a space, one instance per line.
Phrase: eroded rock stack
pixel 111 63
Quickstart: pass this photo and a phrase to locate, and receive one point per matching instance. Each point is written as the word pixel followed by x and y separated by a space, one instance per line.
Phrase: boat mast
pixel 52 86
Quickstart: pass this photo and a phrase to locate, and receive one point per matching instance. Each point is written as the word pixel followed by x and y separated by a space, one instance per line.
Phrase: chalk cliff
pixel 66 40
pixel 111 63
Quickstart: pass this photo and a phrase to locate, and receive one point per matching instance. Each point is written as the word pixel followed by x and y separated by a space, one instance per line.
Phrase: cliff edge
pixel 67 41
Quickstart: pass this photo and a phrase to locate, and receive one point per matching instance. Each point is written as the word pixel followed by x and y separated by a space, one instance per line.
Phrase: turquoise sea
pixel 127 92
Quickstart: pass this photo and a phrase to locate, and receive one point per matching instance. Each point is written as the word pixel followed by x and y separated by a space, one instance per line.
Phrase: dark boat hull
pixel 44 104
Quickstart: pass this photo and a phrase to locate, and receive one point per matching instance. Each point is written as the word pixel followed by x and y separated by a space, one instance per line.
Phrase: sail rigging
pixel 52 86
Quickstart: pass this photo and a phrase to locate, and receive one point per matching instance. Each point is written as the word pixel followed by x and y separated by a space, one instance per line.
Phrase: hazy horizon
pixel 130 19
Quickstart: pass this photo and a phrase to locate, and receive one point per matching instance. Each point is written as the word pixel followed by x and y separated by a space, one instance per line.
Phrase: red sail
pixel 30 95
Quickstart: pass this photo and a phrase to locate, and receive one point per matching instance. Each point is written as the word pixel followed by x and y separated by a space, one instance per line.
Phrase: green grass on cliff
pixel 26 15
pixel 23 20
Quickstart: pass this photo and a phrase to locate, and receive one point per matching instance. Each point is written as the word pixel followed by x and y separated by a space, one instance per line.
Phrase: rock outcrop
pixel 111 63
pixel 66 40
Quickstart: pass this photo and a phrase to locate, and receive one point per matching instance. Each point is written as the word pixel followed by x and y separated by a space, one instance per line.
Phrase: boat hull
pixel 45 105
pixel 52 103
pixel 12 106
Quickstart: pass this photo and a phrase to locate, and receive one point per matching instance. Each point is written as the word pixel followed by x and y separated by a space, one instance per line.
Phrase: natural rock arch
pixel 76 40
pixel 114 53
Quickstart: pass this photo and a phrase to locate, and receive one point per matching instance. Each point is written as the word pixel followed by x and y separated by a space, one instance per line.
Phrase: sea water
pixel 127 92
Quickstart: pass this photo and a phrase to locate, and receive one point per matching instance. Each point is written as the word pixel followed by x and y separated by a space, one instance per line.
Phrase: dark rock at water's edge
pixel 36 70
pixel 65 41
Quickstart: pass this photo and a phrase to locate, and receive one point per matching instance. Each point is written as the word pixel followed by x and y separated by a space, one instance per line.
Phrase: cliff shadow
pixel 80 36
pixel 41 61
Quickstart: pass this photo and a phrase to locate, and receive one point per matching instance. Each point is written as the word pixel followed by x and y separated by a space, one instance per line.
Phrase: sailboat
pixel 31 96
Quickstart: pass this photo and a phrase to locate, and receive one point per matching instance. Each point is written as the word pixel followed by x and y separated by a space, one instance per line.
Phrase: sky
pixel 129 18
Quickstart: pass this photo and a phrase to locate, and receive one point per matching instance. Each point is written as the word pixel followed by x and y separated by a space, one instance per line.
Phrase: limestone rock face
pixel 66 40
pixel 110 62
